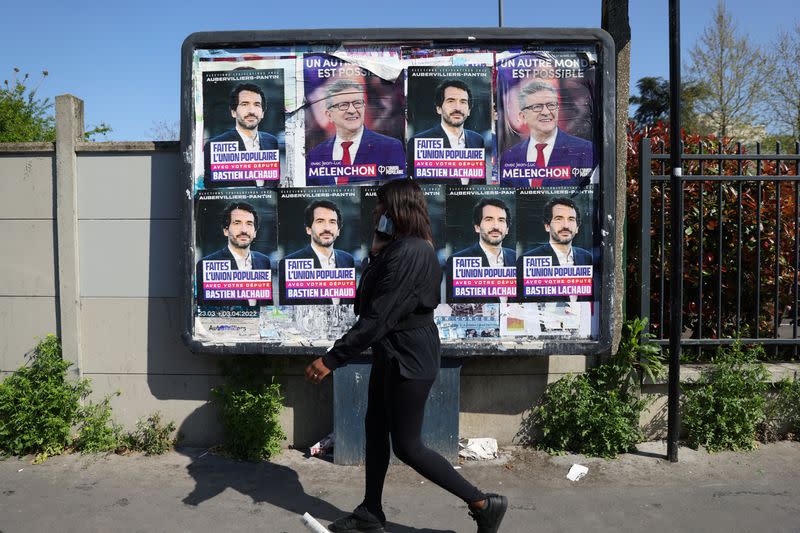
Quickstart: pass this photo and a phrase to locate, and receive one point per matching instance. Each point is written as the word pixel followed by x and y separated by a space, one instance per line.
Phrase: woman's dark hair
pixel 405 204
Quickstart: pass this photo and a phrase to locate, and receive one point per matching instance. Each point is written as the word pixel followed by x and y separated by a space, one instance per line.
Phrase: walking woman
pixel 395 301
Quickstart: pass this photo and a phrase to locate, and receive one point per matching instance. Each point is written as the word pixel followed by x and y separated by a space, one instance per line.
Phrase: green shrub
pixel 635 357
pixel 151 436
pixel 40 409
pixel 39 406
pixel 724 408
pixel 782 412
pixel 96 431
pixel 249 414
pixel 789 410
pixel 597 413
pixel 577 414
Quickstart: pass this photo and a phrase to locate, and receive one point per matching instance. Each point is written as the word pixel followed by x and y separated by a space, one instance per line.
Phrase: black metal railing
pixel 741 237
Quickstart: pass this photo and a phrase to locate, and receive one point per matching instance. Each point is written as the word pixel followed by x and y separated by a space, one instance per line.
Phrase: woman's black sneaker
pixel 360 520
pixel 489 517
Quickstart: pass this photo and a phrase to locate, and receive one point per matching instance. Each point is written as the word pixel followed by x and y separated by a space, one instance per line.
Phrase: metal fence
pixel 741 245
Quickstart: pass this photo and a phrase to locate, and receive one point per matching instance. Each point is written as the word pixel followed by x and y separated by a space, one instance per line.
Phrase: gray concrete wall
pixel 122 199
pixel 28 305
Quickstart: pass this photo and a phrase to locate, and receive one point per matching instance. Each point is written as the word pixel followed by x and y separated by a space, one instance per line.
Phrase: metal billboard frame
pixel 529 37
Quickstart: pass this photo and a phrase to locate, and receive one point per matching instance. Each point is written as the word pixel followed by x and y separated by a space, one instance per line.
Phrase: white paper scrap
pixel 312 524
pixel 576 472
pixel 484 448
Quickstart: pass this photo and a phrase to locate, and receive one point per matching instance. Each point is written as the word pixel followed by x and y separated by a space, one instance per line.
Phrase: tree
pixel 164 130
pixel 733 72
pixel 653 102
pixel 784 88
pixel 25 117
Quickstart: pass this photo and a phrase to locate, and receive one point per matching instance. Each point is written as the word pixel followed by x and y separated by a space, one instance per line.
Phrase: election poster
pixel 557 244
pixel 547 113
pixel 481 239
pixel 319 238
pixel 354 123
pixel 449 124
pixel 468 322
pixel 234 250
pixel 558 266
pixel 549 320
pixel 243 127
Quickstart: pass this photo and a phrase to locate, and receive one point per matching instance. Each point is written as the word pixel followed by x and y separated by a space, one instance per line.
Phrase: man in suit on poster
pixel 453 101
pixel 323 223
pixel 247 104
pixel 562 222
pixel 491 219
pixel 547 146
pixel 355 154
pixel 239 225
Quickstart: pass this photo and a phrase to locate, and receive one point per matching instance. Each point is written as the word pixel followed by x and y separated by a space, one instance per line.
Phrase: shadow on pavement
pixel 264 482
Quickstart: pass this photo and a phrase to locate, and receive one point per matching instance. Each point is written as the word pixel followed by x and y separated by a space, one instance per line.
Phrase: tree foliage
pixel 24 116
pixel 784 87
pixel 653 102
pixel 27 117
pixel 733 70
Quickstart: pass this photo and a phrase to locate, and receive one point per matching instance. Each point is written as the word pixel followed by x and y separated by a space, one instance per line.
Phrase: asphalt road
pixel 194 490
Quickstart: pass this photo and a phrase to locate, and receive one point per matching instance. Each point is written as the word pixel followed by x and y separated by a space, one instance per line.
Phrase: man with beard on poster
pixel 453 101
pixel 491 219
pixel 547 146
pixel 239 223
pixel 562 221
pixel 323 223
pixel 247 104
pixel 354 147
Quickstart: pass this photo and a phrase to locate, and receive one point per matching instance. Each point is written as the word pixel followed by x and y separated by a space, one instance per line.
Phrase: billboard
pixel 288 134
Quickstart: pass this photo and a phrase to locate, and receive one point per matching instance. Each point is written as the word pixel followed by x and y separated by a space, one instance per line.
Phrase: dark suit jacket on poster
pixel 568 151
pixel 509 260
pixel 472 139
pixel 266 141
pixel 343 260
pixel 260 262
pixel 374 148
pixel 579 256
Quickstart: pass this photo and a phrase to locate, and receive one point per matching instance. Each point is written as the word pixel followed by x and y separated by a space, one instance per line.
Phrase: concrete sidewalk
pixel 193 490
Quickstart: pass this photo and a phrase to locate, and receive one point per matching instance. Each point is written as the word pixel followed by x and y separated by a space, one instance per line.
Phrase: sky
pixel 123 59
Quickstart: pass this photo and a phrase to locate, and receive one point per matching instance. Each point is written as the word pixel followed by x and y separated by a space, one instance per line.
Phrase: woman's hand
pixel 316 371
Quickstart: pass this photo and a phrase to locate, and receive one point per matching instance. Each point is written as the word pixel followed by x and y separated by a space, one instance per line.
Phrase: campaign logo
pixel 433 160
pixel 303 281
pixel 228 163
pixel 472 280
pixel 542 278
pixel 221 282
